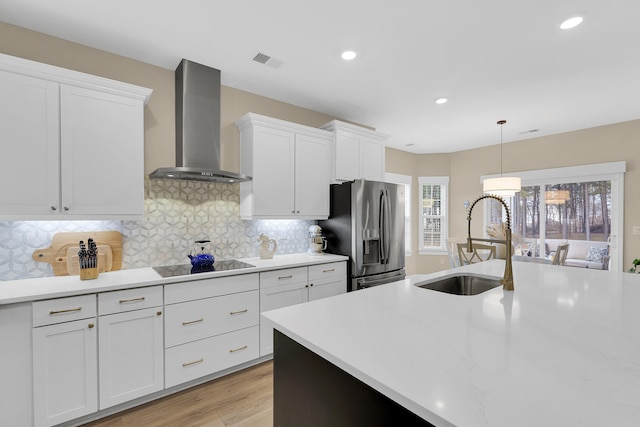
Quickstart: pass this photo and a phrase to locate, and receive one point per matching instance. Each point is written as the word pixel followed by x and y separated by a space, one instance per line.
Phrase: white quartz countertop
pixel 563 349
pixel 14 291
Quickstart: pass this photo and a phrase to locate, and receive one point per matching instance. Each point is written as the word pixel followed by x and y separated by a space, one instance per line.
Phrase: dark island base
pixel 310 391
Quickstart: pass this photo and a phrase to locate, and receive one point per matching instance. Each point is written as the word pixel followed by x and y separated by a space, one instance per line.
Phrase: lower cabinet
pixel 131 345
pixel 210 325
pixel 65 359
pixel 282 288
pixel 82 366
pixel 93 352
pixel 131 355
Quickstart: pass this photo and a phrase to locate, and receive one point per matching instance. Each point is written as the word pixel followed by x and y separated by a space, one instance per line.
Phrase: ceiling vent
pixel 261 58
pixel 529 131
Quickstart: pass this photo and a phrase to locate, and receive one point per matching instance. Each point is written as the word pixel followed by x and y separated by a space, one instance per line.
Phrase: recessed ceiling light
pixel 441 101
pixel 571 23
pixel 348 55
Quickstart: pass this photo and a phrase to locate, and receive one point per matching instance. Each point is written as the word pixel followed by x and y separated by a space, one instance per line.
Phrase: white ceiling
pixel 493 59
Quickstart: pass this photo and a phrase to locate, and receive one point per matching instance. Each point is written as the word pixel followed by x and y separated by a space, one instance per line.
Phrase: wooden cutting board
pixel 65 243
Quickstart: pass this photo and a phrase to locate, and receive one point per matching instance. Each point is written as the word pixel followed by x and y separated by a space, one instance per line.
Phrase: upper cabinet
pixel 290 167
pixel 73 144
pixel 357 152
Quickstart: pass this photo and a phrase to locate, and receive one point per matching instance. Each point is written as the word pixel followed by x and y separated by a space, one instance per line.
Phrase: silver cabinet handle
pixel 193 321
pixel 53 208
pixel 125 301
pixel 329 270
pixel 195 362
pixel 66 208
pixel 69 310
pixel 233 313
pixel 233 350
pixel 285 277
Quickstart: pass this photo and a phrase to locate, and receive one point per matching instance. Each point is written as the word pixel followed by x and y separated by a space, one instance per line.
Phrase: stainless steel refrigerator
pixel 366 223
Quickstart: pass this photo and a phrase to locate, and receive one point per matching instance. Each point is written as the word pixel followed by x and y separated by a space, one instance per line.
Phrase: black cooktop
pixel 186 269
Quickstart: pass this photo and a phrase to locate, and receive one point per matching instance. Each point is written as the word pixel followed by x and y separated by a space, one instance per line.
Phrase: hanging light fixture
pixel 556 197
pixel 504 185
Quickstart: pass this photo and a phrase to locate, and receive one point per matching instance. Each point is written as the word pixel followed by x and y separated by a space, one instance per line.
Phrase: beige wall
pixel 159 112
pixel 611 143
pixel 597 145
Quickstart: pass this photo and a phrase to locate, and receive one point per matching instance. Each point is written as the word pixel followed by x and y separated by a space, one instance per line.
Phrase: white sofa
pixel 582 253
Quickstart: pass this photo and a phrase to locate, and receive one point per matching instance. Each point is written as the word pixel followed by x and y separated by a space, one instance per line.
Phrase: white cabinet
pixel 65 359
pixel 102 153
pixel 290 167
pixel 357 152
pixel 210 325
pixel 131 349
pixel 75 144
pixel 282 288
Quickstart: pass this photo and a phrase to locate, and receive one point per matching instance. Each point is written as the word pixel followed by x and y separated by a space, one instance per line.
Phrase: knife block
pixel 88 273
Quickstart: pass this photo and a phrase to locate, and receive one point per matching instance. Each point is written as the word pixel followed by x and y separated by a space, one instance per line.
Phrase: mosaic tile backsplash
pixel 176 214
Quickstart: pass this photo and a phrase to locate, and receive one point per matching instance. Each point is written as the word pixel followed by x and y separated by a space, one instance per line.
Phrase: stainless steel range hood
pixel 197 127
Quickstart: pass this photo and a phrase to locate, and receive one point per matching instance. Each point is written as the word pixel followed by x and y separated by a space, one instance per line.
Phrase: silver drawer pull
pixel 285 277
pixel 329 270
pixel 124 301
pixel 195 362
pixel 238 349
pixel 69 310
pixel 193 321
pixel 233 313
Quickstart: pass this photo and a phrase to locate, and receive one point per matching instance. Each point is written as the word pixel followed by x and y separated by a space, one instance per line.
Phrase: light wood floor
pixel 241 399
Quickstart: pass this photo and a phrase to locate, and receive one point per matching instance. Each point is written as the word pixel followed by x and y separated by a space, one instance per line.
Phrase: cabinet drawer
pixel 333 269
pixel 129 299
pixel 199 358
pixel 207 288
pixel 283 277
pixel 52 311
pixel 194 320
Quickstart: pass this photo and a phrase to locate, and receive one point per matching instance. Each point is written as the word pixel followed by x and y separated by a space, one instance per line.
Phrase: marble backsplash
pixel 176 214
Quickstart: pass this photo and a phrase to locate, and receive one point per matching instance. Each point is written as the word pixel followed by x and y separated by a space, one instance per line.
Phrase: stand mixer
pixel 317 242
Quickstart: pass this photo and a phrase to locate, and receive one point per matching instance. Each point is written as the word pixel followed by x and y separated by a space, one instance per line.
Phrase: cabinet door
pixel 278 297
pixel 328 287
pixel 65 371
pixel 29 134
pixel 273 172
pixel 371 160
pixel 347 156
pixel 102 153
pixel 312 177
pixel 131 355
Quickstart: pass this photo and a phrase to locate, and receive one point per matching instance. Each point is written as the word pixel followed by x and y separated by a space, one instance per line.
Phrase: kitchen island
pixel 562 349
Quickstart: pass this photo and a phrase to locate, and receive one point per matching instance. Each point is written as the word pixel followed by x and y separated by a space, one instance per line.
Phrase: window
pixel 406 181
pixel 434 212
pixel 573 203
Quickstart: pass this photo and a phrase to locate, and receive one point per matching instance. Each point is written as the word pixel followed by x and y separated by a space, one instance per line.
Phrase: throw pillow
pixel 597 254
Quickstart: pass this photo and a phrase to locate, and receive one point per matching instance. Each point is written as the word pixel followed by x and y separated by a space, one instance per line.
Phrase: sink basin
pixel 464 284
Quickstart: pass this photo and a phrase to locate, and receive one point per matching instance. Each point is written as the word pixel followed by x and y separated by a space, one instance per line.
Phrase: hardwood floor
pixel 241 399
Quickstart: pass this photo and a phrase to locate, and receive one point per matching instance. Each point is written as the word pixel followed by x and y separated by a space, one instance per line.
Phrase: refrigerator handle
pixel 381 219
pixel 387 226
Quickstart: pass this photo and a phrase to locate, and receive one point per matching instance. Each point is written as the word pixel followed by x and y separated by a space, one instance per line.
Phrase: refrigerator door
pixel 378 227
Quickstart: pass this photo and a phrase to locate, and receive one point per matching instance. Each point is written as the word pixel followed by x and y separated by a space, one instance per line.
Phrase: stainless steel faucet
pixel 507 279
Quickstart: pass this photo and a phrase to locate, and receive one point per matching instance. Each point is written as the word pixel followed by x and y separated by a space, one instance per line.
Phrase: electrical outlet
pixel 636 230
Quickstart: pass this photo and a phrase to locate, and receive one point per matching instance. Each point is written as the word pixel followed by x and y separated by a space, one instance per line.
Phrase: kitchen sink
pixel 463 284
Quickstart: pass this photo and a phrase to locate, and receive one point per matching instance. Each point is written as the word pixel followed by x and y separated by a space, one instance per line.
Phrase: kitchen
pixel 464 167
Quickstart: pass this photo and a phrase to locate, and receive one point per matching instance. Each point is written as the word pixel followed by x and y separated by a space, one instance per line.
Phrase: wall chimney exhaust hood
pixel 197 127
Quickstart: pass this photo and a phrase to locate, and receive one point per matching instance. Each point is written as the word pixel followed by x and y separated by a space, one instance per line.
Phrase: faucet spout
pixel 507 278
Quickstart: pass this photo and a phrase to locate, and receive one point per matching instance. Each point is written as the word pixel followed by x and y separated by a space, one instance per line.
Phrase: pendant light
pixel 556 197
pixel 504 185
